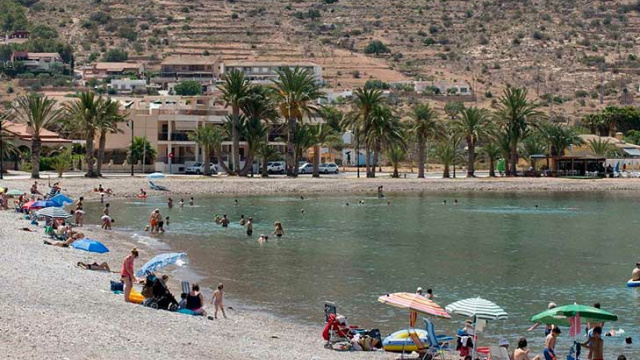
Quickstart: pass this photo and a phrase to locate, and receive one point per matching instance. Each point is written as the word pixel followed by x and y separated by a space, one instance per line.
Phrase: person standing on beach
pixel 278 231
pixel 550 344
pixel 191 201
pixel 79 212
pixel 216 300
pixel 127 273
pixel 242 221
pixel 250 227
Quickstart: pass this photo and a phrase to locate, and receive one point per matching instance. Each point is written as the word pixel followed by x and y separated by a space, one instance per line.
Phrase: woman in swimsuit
pixel 195 301
pixel 279 231
pixel 127 273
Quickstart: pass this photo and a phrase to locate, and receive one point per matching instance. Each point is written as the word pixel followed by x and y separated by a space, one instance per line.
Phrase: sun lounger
pixel 157 187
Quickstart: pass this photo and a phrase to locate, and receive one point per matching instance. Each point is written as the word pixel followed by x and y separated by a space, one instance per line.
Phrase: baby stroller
pixel 161 297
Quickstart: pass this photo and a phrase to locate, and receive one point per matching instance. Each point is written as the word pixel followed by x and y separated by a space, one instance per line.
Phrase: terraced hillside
pixel 568 52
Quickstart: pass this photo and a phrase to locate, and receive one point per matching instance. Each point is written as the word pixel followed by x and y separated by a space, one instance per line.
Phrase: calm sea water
pixel 571 248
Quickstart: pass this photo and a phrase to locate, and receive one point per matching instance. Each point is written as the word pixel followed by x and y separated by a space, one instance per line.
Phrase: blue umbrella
pixel 90 245
pixel 159 262
pixel 617 168
pixel 44 204
pixel 156 175
pixel 62 200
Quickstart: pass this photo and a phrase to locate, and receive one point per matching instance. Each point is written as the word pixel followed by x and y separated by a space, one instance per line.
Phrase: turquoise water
pixel 570 248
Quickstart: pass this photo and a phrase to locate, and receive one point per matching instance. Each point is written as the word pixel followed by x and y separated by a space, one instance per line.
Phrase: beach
pixel 53 309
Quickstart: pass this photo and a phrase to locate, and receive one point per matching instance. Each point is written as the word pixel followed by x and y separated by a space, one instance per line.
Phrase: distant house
pixel 175 69
pixel 36 61
pixel 262 71
pixel 16 37
pixel 128 86
pixel 21 135
pixel 102 70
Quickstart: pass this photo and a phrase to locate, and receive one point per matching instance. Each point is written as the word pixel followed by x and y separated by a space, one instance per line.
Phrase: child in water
pixel 278 231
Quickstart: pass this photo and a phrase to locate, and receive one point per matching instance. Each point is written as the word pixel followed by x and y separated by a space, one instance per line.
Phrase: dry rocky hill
pixel 567 52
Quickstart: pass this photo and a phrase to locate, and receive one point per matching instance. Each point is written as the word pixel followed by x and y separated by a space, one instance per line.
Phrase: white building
pixel 263 71
pixel 128 86
pixel 36 61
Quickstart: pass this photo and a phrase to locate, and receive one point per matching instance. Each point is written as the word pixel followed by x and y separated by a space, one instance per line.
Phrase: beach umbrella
pixel 14 192
pixel 156 175
pixel 478 308
pixel 90 245
pixel 44 204
pixel 30 205
pixel 54 213
pixel 560 315
pixel 62 200
pixel 160 262
pixel 414 302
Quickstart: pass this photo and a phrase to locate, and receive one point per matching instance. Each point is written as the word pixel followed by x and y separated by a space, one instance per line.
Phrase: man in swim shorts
pixel 550 344
pixel 595 344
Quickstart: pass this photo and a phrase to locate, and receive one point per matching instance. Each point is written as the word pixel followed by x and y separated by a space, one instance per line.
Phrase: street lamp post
pixel 130 124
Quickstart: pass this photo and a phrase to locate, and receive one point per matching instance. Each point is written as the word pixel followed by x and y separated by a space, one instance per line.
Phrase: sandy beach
pixel 53 309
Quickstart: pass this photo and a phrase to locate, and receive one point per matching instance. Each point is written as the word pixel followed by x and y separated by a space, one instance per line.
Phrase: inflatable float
pixel 632 283
pixel 141 196
pixel 136 297
pixel 400 341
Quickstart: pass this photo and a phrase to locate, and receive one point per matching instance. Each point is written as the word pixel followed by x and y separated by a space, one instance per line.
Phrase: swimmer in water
pixel 250 227
pixel 388 203
pixel 302 211
pixel 181 202
pixel 225 221
pixel 242 221
pixel 278 230
pixel 444 202
pixel 263 238
pixel 170 203
pixel 347 204
pixel 455 202
pixel 301 197
pixel 236 202
pixel 536 206
pixel 191 201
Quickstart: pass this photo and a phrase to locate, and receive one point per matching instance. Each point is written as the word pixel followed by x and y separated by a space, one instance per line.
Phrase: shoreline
pixel 54 309
pixel 186 186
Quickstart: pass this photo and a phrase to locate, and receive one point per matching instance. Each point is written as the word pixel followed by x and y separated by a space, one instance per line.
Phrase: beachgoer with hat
pixel 419 291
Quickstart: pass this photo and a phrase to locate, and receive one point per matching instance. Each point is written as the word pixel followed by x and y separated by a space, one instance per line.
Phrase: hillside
pixel 563 50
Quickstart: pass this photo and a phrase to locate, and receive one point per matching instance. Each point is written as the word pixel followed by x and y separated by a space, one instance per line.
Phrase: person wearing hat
pixel 419 291
pixel 635 275
pixel 504 343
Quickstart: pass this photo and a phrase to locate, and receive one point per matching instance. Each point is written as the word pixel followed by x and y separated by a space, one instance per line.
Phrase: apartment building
pixel 264 71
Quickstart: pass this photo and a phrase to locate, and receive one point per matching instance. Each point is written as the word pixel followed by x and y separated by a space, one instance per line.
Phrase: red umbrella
pixel 29 206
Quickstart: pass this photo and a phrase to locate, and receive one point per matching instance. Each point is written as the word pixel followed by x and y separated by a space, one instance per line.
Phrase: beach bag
pixel 117 286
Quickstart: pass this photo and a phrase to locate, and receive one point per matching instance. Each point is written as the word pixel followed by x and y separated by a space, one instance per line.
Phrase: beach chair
pixel 186 287
pixel 438 345
pixel 498 353
pixel 421 349
pixel 157 187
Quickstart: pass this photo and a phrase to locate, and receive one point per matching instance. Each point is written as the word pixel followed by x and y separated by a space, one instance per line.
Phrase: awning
pixel 632 152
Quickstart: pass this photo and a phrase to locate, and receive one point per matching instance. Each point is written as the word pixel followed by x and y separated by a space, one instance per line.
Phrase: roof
pixel 189 60
pixel 632 152
pixel 269 63
pixel 117 66
pixel 42 55
pixel 24 132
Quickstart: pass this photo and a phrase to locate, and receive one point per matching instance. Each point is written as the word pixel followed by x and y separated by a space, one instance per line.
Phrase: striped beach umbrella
pixel 54 213
pixel 414 302
pixel 478 308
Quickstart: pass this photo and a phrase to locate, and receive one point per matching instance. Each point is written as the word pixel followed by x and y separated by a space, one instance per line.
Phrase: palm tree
pixel 235 89
pixel 602 147
pixel 205 137
pixel 255 132
pixel 453 108
pixel 220 135
pixel 447 151
pixel 517 115
pixel 473 125
pixel 532 145
pixel 425 125
pixel 385 131
pixel 267 152
pixel 141 149
pixel 491 150
pixel 303 139
pixel 37 112
pixel 396 154
pixel 80 115
pixel 107 118
pixel 9 150
pixel 296 92
pixel 320 133
pixel 558 139
pixel 364 103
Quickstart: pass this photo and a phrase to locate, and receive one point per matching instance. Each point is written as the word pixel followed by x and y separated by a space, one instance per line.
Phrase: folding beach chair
pixel 423 351
pixel 157 187
pixel 186 287
pixel 438 345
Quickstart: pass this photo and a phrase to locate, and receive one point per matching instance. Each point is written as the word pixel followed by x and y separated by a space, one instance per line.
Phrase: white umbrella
pixel 53 212
pixel 156 175
pixel 477 308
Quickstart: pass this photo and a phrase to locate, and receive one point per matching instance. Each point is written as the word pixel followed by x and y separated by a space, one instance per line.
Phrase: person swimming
pixel 278 230
pixel 444 202
pixel 302 211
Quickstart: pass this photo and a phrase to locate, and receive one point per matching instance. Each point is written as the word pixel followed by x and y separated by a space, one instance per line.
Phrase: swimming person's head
pixel 551 305
pixel 134 252
pixel 220 286
pixel 430 291
pixel 241 216
pixel 597 306
pixel 522 343
pixel 597 330
pixel 628 340
pixel 622 357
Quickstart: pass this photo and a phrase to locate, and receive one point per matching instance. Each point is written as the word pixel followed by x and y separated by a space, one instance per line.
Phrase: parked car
pixel 306 168
pixel 198 168
pixel 276 167
pixel 329 168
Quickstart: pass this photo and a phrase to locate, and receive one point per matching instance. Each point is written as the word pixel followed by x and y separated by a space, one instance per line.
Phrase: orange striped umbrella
pixel 414 302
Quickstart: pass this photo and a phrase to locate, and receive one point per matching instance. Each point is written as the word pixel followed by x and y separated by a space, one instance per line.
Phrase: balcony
pixel 174 137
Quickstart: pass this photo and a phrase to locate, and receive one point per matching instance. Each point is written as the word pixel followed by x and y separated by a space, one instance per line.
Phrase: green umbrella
pixel 560 315
pixel 14 192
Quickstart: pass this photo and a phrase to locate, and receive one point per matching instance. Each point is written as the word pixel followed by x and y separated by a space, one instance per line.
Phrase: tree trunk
pixel 514 159
pixel 492 168
pixel 221 163
pixel 206 152
pixel 395 170
pixel 445 172
pixel 367 161
pixel 296 159
pixel 248 165
pixel 265 173
pixel 102 143
pixel 89 154
pixel 292 167
pixel 376 155
pixel 421 151
pixel 35 157
pixel 471 159
pixel 316 161
pixel 235 147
